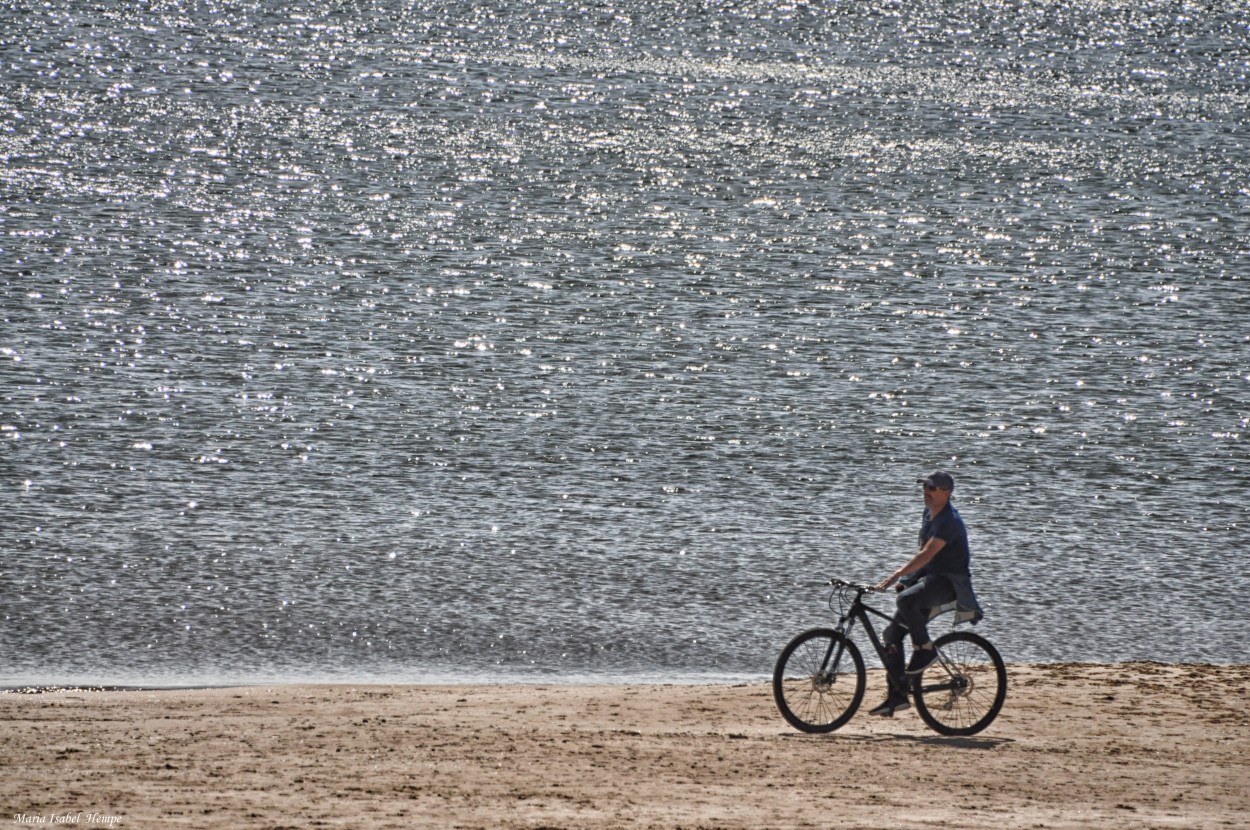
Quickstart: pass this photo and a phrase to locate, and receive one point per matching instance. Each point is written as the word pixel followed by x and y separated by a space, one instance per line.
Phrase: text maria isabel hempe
pixel 80 817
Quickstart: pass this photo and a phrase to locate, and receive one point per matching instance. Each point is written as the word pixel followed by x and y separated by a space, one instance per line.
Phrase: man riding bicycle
pixel 938 574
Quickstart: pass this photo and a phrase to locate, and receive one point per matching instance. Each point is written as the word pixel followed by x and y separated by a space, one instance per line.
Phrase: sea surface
pixel 558 341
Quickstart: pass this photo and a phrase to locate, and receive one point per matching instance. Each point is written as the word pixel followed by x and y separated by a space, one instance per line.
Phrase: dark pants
pixel 912 617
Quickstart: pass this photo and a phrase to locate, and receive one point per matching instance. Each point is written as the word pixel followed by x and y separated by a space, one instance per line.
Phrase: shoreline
pixel 1128 745
pixel 659 680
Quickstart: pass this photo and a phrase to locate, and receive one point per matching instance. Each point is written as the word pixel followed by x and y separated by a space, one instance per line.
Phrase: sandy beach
pixel 1121 746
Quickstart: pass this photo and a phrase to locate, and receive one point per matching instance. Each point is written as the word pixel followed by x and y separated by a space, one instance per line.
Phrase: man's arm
pixel 917 562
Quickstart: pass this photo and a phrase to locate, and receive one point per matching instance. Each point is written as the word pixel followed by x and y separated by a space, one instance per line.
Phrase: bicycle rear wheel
pixel 818 681
pixel 963 691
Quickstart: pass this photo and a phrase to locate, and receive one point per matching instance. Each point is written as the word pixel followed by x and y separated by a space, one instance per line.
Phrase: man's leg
pixel 892 639
pixel 896 700
pixel 914 606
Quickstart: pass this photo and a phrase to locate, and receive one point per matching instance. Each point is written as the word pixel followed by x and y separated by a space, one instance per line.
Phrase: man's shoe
pixel 891 705
pixel 920 660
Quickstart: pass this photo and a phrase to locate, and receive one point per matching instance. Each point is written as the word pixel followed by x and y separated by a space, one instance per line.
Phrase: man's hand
pixel 917 562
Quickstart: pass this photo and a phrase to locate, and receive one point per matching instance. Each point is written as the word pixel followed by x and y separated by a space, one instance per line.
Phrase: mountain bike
pixel 819 678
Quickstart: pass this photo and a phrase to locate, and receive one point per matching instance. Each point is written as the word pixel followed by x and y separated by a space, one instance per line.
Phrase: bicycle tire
pixel 961 693
pixel 815 699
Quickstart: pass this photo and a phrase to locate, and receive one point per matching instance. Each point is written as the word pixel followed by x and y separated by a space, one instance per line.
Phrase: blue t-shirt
pixel 948 526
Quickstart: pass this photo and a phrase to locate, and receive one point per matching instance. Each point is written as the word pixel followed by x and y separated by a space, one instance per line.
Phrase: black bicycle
pixel 819 678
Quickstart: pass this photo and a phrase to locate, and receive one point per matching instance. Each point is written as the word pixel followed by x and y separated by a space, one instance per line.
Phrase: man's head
pixel 938 487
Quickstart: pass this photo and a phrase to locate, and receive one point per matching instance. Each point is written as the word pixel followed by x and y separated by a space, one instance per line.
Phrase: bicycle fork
pixel 833 656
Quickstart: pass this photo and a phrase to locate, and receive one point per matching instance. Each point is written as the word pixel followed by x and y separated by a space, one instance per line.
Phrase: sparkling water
pixel 421 340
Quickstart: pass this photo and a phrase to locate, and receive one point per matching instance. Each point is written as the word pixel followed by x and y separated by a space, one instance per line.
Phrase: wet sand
pixel 1137 745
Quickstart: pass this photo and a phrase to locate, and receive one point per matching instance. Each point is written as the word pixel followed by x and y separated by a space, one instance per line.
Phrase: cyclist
pixel 937 575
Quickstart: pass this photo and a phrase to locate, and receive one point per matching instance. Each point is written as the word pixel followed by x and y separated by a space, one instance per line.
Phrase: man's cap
pixel 939 479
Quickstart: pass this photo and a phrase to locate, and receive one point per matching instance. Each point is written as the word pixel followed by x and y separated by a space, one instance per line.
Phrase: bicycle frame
pixel 858 612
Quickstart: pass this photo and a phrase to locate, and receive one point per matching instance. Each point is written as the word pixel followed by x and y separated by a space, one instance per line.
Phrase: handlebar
pixel 855 586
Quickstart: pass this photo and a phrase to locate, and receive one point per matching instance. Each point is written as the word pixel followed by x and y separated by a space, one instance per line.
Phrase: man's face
pixel 935 499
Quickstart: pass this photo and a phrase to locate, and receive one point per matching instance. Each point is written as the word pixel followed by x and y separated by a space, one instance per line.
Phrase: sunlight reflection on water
pixel 432 340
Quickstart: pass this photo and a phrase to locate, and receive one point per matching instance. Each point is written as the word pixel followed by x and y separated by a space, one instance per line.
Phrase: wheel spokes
pixel 962 687
pixel 813 689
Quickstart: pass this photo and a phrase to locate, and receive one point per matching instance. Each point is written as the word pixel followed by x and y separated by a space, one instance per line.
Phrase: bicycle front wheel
pixel 962 691
pixel 818 681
